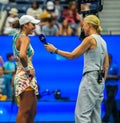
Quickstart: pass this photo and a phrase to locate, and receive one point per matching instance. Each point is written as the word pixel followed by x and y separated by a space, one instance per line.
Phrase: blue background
pixel 54 72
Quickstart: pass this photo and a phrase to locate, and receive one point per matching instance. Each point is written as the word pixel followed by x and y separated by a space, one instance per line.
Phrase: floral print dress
pixel 21 81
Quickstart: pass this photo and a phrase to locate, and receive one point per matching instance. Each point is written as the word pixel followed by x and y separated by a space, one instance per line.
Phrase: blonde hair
pixel 92 19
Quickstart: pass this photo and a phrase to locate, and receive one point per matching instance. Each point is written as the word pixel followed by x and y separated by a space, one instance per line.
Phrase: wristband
pixel 26 68
pixel 56 51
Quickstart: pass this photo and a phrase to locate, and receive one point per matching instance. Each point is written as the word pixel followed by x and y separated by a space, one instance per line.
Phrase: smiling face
pixel 30 27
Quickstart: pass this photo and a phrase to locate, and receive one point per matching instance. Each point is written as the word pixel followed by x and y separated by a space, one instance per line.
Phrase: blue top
pixel 113 70
pixel 50 30
pixel 8 65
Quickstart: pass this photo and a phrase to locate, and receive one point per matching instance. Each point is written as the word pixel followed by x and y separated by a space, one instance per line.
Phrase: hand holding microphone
pixel 49 47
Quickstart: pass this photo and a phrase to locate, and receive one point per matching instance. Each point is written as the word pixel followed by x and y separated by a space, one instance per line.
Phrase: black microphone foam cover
pixel 42 38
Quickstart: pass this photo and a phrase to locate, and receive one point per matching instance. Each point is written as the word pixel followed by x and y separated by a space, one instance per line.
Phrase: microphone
pixel 43 38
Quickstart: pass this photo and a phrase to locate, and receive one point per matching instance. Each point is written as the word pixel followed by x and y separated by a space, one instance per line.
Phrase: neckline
pixel 23 34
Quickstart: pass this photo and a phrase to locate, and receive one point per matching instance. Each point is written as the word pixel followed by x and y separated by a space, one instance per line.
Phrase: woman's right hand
pixel 32 72
pixel 50 48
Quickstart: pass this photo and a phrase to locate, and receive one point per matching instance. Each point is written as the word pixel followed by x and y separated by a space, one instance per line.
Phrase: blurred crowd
pixel 7 72
pixel 56 19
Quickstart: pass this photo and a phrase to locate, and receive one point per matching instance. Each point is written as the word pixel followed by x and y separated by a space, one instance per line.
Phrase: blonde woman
pixel 94 48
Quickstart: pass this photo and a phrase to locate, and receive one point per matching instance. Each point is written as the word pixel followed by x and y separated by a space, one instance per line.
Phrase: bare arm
pixel 2 61
pixel 60 30
pixel 24 43
pixel 115 77
pixel 69 31
pixel 78 51
pixel 9 71
pixel 106 66
pixel 84 46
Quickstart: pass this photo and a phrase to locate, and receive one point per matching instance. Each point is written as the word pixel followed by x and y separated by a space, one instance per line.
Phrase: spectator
pixel 65 28
pixel 10 67
pixel 55 22
pixel 13 13
pixel 4 1
pixel 50 8
pixel 112 89
pixel 59 8
pixel 72 15
pixel 1 61
pixel 13 28
pixel 51 28
pixel 44 18
pixel 5 88
pixel 34 10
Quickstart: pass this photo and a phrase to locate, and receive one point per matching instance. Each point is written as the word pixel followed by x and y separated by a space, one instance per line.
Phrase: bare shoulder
pixel 92 40
pixel 89 39
pixel 24 38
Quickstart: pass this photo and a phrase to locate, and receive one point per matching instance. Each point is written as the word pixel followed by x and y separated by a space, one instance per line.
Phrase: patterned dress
pixel 21 81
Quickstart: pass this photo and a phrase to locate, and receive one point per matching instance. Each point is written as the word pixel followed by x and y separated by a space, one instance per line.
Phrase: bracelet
pixel 56 51
pixel 26 68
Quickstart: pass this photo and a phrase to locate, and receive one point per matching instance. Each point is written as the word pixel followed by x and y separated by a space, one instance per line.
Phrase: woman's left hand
pixel 31 74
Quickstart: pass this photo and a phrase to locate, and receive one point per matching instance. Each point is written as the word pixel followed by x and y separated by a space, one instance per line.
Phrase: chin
pixel 31 32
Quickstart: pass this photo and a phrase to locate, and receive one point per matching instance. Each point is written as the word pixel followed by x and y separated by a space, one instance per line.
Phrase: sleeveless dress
pixel 21 81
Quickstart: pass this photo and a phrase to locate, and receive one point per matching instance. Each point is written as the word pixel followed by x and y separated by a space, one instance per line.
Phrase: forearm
pixel 1 60
pixel 113 77
pixel 24 61
pixel 65 54
pixel 106 66
pixel 105 71
pixel 105 75
pixel 8 71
